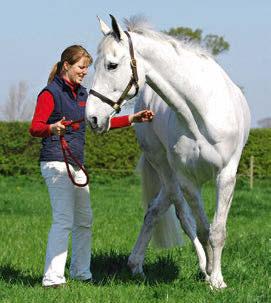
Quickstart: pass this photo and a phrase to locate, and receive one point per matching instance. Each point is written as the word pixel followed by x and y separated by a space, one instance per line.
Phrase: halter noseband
pixel 133 81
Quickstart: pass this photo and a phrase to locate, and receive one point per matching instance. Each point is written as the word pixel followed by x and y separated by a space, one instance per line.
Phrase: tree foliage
pixel 185 33
pixel 214 43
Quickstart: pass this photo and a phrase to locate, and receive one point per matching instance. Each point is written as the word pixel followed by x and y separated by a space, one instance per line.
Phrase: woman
pixel 65 98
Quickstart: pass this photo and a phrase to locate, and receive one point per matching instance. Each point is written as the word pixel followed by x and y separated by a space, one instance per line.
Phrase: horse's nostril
pixel 93 122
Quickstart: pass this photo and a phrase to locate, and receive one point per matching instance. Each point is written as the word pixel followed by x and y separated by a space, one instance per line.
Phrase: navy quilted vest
pixel 72 109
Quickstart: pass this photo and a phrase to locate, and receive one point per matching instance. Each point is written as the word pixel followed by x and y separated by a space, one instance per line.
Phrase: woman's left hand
pixel 142 116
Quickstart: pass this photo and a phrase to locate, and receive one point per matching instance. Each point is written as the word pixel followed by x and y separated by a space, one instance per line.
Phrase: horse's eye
pixel 112 66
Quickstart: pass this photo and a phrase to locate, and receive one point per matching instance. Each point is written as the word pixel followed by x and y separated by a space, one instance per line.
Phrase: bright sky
pixel 34 33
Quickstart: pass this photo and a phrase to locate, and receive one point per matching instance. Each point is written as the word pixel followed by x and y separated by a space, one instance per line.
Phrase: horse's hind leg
pixel 225 186
pixel 193 196
pixel 188 223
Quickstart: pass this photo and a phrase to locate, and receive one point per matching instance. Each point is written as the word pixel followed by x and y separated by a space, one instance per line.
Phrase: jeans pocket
pixel 51 169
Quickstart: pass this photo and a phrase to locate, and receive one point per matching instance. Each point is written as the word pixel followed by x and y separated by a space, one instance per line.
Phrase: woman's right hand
pixel 58 128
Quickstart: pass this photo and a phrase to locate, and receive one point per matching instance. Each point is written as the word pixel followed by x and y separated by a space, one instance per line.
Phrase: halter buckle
pixel 133 63
pixel 116 107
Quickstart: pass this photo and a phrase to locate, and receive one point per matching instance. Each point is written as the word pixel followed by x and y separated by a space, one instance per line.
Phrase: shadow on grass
pixel 111 267
pixel 107 268
pixel 14 276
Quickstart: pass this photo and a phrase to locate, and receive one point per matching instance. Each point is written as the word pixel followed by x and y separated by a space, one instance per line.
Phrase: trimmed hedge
pixel 114 152
pixel 258 146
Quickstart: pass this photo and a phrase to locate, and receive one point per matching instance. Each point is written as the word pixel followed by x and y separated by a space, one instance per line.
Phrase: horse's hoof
pixel 216 284
pixel 136 269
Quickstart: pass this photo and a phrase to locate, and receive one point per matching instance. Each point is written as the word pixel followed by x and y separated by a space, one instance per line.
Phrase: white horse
pixel 197 136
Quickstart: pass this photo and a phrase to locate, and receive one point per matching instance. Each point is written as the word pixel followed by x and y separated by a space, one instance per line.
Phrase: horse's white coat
pixel 197 136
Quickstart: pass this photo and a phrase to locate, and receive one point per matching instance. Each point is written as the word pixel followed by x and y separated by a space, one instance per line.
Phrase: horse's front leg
pixel 225 188
pixel 157 208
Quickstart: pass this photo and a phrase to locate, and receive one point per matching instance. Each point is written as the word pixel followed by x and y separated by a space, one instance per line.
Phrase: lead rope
pixel 67 152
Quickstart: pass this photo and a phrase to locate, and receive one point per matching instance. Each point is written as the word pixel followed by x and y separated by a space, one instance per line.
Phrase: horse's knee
pixel 153 214
pixel 150 216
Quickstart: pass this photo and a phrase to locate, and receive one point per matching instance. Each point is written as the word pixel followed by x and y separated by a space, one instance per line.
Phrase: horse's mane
pixel 140 25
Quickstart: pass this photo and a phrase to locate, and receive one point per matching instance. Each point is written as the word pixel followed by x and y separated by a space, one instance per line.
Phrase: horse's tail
pixel 167 231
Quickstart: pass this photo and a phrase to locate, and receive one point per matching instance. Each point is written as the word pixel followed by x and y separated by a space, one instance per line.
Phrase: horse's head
pixel 117 76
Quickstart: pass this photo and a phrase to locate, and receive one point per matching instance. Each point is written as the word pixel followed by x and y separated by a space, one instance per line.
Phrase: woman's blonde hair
pixel 71 54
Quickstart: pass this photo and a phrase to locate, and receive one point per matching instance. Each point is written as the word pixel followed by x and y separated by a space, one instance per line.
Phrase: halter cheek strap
pixel 133 82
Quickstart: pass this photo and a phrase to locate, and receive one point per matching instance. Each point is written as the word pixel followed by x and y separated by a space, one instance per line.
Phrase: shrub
pixel 116 152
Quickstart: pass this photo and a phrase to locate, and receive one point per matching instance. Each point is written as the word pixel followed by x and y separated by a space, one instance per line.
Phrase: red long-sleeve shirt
pixel 45 107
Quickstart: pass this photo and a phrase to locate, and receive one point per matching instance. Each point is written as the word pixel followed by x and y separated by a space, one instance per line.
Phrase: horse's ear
pixel 104 28
pixel 116 28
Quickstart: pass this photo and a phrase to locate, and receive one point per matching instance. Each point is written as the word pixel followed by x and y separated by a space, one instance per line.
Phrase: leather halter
pixel 133 81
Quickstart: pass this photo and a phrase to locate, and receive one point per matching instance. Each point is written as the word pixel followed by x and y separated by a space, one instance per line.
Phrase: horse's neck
pixel 166 74
pixel 162 56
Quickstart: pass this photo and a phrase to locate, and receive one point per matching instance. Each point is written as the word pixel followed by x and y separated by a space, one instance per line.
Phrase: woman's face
pixel 75 73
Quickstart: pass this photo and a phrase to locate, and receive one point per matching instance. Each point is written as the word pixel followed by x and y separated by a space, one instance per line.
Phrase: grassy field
pixel 172 275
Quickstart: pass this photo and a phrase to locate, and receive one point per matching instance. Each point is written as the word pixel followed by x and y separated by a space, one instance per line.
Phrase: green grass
pixel 172 275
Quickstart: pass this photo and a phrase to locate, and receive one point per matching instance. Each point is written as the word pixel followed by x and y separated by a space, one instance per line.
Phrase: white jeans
pixel 71 212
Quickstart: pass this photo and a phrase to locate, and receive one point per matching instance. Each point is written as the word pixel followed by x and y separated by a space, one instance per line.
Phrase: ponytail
pixel 55 71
